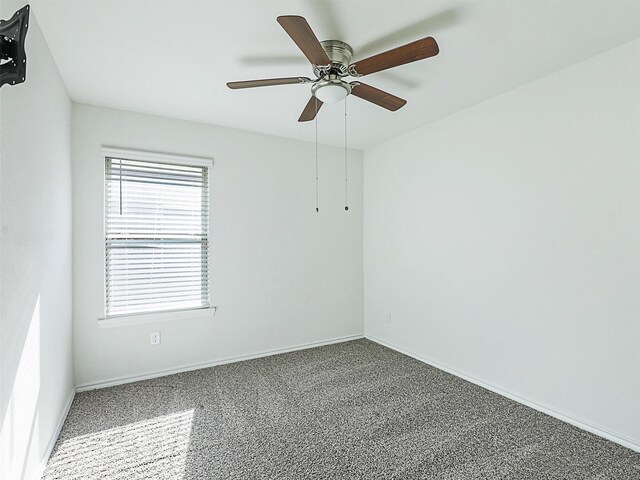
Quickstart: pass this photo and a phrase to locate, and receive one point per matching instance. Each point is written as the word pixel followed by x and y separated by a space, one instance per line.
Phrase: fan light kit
pixel 331 90
pixel 331 63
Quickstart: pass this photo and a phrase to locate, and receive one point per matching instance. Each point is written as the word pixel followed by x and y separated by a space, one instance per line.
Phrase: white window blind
pixel 157 236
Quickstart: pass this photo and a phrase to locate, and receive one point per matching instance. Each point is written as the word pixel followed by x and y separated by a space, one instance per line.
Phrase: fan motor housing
pixel 339 53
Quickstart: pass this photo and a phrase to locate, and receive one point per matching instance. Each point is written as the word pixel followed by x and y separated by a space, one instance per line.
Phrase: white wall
pixel 35 259
pixel 505 241
pixel 283 274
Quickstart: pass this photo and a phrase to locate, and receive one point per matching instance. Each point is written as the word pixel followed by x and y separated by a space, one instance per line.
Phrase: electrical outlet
pixel 155 338
pixel 387 317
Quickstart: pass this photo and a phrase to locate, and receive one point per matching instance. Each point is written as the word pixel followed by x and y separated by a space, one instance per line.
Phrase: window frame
pixel 153 317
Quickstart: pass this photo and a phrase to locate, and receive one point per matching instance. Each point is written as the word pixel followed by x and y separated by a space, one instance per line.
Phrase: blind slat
pixel 152 302
pixel 137 283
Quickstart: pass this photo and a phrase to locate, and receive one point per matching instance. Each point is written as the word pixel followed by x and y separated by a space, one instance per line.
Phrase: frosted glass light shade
pixel 331 93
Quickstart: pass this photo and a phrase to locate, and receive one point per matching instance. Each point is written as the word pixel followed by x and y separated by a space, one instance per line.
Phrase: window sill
pixel 142 318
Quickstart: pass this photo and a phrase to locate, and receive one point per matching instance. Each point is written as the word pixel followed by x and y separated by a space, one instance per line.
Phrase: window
pixel 156 233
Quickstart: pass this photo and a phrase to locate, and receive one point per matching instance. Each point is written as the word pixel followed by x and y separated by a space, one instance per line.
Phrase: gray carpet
pixel 351 410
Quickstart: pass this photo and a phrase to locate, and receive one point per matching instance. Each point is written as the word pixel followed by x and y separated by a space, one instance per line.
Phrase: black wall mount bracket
pixel 13 59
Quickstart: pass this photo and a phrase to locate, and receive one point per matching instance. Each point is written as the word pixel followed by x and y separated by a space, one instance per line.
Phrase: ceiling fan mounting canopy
pixel 331 61
pixel 339 54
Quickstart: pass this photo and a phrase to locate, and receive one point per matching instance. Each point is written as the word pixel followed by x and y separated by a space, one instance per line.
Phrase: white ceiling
pixel 173 58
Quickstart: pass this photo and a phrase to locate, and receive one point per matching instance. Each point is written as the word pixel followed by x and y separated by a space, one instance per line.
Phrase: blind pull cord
pixel 120 169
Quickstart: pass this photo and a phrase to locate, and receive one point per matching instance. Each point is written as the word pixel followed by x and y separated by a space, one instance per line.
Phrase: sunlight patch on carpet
pixel 152 448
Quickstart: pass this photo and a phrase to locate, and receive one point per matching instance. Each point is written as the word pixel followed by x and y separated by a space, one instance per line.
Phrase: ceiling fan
pixel 331 61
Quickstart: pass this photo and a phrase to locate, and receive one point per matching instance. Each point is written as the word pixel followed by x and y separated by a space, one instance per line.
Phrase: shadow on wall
pixel 20 435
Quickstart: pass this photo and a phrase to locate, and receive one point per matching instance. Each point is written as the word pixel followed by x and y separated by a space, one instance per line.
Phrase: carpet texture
pixel 351 410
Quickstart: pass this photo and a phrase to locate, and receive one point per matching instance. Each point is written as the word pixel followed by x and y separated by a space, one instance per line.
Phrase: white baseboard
pixel 212 363
pixel 576 422
pixel 56 433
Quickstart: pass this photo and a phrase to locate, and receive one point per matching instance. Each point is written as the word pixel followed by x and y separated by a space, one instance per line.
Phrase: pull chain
pixel 316 122
pixel 346 175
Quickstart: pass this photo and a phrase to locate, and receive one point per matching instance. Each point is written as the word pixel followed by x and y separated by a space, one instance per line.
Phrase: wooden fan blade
pixel 301 33
pixel 267 82
pixel 411 52
pixel 311 110
pixel 377 96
